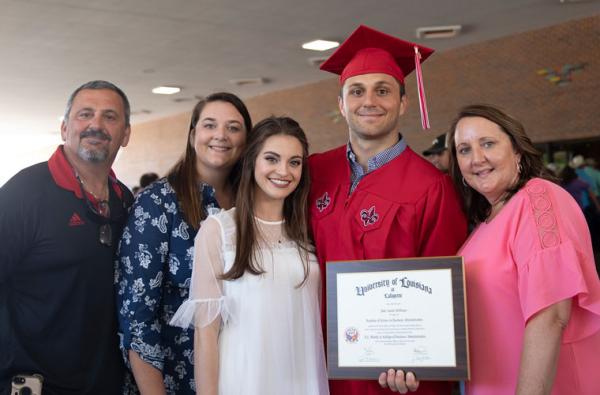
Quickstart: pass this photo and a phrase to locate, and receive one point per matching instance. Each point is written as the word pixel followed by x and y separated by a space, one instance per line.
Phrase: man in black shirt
pixel 59 224
pixel 438 154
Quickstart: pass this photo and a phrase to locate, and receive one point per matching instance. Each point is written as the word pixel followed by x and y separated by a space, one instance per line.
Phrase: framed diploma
pixel 397 313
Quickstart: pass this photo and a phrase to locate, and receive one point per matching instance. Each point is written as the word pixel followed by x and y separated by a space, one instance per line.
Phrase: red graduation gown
pixel 406 208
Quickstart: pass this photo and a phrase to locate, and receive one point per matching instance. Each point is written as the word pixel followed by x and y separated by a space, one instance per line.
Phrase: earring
pixel 464 182
pixel 519 168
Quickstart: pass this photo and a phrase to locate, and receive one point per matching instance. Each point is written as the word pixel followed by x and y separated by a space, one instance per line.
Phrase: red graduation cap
pixel 369 51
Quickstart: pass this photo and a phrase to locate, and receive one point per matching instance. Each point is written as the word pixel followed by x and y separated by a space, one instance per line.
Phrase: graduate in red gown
pixel 374 198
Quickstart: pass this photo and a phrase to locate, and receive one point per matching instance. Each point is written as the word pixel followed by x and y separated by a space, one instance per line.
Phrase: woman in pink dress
pixel 533 294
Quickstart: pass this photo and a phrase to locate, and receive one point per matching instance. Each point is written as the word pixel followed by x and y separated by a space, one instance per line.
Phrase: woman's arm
pixel 207 297
pixel 206 358
pixel 541 345
pixel 148 379
pixel 140 273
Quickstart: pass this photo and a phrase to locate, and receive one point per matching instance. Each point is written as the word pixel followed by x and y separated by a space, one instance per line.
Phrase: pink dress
pixel 534 253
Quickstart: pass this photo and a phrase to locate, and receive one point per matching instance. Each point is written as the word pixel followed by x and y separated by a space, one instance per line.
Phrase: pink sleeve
pixel 554 258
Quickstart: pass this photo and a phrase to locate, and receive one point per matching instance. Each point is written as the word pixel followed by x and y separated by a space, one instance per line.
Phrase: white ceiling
pixel 49 47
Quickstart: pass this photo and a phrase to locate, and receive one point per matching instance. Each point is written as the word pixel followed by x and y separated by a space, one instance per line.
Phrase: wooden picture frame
pixel 396 313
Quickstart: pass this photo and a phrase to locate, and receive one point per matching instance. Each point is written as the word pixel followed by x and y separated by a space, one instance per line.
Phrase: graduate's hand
pixel 396 381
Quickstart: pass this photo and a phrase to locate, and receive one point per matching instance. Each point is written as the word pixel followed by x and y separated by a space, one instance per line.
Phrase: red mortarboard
pixel 369 51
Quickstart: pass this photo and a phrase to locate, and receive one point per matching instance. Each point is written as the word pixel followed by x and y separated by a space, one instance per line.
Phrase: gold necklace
pixel 98 198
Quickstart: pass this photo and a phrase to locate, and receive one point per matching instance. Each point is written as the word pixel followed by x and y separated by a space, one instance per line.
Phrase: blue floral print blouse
pixel 152 276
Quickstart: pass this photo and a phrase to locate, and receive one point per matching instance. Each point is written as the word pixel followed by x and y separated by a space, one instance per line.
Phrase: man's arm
pixel 17 235
pixel 443 230
pixel 396 381
pixel 16 225
pixel 443 224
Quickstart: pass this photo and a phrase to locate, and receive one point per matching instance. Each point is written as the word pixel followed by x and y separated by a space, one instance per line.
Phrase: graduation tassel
pixel 421 90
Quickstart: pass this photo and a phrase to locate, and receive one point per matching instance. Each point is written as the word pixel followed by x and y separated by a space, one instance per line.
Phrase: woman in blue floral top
pixel 155 255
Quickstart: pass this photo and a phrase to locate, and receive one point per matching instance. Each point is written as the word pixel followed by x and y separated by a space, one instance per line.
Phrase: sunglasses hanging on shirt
pixel 100 214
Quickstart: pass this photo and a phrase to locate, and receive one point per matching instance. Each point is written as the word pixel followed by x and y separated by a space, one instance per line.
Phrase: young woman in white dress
pixel 255 292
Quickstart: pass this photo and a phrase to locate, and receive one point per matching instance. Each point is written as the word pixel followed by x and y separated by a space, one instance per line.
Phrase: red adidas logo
pixel 75 220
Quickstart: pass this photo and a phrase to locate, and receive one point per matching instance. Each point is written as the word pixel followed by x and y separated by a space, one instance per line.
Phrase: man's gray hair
pixel 99 84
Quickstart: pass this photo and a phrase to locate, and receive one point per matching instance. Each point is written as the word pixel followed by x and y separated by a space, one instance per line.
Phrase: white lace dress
pixel 270 341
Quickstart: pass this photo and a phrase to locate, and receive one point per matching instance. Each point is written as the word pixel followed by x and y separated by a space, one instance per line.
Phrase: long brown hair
pixel 183 177
pixel 476 206
pixel 294 206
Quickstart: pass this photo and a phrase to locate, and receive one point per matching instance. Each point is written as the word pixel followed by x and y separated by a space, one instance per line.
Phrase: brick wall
pixel 500 72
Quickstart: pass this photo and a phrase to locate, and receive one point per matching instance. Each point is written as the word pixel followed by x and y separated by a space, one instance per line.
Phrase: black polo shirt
pixel 57 305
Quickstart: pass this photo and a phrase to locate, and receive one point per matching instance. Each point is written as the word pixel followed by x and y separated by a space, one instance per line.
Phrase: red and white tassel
pixel 421 90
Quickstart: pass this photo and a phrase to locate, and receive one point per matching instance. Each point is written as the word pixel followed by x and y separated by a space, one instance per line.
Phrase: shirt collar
pixel 380 159
pixel 64 175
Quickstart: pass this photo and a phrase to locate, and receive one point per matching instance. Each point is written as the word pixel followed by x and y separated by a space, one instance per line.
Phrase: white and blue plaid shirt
pixel 356 170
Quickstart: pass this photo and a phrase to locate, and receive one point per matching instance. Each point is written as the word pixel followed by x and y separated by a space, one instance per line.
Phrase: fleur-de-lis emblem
pixel 323 202
pixel 369 216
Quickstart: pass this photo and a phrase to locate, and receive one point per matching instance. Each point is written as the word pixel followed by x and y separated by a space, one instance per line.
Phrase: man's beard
pixel 97 155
